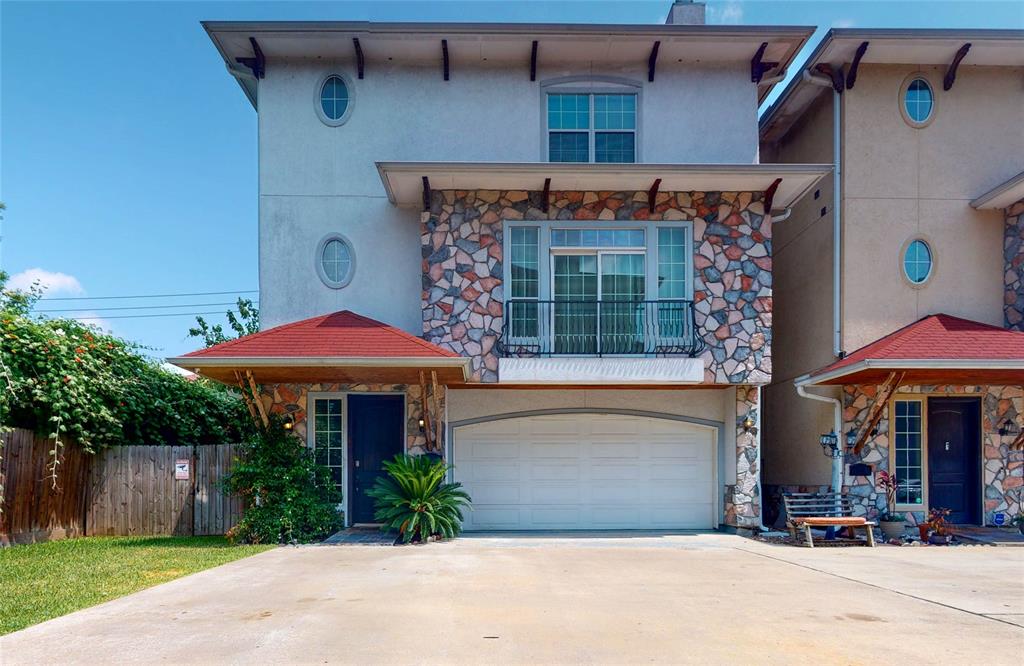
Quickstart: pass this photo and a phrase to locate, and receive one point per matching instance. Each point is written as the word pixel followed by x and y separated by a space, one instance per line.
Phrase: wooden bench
pixel 807 510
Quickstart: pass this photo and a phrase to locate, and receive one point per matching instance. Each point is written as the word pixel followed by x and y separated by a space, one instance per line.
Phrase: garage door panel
pixel 587 471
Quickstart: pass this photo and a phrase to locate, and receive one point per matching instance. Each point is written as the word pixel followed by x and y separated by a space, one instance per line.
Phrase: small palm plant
pixel 414 500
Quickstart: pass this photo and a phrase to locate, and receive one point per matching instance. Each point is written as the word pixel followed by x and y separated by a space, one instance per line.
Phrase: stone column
pixel 746 494
pixel 1013 255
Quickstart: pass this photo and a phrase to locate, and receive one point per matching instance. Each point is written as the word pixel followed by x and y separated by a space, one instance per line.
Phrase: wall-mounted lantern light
pixel 750 425
pixel 1008 429
pixel 830 444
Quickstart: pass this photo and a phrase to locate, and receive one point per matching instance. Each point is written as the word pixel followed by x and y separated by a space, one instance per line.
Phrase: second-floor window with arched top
pixel 591 126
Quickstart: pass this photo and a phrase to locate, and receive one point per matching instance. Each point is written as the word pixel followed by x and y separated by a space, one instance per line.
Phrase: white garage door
pixel 586 471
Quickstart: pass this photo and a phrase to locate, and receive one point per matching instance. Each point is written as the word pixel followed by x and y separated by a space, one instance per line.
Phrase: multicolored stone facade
pixel 743 500
pixel 1002 469
pixel 1013 255
pixel 463 272
pixel 293 400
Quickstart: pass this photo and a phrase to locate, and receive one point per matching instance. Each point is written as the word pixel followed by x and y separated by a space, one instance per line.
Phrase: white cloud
pixel 51 282
pixel 728 13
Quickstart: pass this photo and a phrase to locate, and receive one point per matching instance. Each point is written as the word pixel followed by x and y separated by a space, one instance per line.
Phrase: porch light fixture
pixel 289 422
pixel 750 425
pixel 830 444
pixel 422 424
pixel 1008 429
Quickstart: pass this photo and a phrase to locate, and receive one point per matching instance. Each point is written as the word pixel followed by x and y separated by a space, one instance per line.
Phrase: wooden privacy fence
pixel 124 490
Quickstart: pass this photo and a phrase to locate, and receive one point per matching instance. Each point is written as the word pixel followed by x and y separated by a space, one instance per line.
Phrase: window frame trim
pixel 902 258
pixel 591 85
pixel 318 91
pixel 318 259
pixel 902 100
pixel 923 399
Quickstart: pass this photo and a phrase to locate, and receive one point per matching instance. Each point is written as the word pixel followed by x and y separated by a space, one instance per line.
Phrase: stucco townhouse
pixel 899 302
pixel 543 252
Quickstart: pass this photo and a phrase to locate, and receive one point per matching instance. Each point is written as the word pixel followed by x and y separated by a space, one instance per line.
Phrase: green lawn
pixel 45 580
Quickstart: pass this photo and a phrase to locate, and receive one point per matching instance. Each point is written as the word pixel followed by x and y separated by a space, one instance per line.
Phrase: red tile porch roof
pixel 339 334
pixel 937 348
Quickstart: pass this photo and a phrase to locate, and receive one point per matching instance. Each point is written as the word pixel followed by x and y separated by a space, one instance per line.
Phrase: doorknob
pixel 947 446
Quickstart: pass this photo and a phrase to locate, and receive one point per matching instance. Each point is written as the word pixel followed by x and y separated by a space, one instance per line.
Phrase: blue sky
pixel 128 155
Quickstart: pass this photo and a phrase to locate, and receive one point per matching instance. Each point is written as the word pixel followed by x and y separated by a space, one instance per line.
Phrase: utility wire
pixel 103 298
pixel 138 307
pixel 164 314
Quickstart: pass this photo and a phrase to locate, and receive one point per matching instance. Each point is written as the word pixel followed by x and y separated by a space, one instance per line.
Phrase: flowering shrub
pixel 71 381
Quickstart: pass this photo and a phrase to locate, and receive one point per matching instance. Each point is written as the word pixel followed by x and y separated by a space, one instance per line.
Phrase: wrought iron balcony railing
pixel 599 328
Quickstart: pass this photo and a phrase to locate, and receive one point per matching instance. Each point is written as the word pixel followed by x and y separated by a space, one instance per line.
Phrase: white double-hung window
pixel 591 127
pixel 594 290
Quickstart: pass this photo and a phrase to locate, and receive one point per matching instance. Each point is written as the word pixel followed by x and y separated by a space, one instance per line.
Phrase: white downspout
pixel 837 408
pixel 837 211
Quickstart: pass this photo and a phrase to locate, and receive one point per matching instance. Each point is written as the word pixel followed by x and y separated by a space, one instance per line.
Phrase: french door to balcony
pixel 598 302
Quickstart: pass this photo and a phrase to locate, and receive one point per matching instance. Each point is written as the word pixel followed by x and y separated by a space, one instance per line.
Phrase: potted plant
pixel 942 532
pixel 891 524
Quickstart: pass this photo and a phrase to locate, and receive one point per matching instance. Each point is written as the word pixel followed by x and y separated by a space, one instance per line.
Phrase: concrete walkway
pixel 708 598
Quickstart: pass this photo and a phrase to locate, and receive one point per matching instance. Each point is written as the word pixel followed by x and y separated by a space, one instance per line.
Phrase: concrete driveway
pixel 709 598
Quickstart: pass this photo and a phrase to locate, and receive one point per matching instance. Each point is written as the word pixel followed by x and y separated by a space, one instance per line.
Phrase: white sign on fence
pixel 181 468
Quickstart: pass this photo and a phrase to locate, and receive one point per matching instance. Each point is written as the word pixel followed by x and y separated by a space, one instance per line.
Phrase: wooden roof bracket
pixel 444 55
pixel 533 61
pixel 652 61
pixel 545 195
pixel 947 81
pixel 889 387
pixel 426 194
pixel 769 195
pixel 652 194
pixel 256 399
pixel 246 397
pixel 257 63
pixel 759 67
pixel 360 61
pixel 834 73
pixel 851 76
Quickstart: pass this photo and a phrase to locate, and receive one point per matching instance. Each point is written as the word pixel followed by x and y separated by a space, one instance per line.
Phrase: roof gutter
pixel 911 364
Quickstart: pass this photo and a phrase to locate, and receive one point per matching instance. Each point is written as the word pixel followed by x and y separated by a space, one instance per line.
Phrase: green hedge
pixel 62 376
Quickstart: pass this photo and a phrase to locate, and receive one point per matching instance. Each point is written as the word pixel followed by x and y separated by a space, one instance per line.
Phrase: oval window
pixel 336 262
pixel 918 101
pixel 334 99
pixel 917 261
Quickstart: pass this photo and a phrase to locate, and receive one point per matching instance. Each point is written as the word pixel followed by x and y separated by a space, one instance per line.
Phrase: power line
pixel 138 307
pixel 103 298
pixel 164 314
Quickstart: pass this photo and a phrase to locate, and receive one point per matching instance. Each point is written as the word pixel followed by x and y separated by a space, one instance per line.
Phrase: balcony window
pixel 591 127
pixel 592 292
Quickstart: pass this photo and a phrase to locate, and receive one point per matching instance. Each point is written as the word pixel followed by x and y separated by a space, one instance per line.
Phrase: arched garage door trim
pixel 718 426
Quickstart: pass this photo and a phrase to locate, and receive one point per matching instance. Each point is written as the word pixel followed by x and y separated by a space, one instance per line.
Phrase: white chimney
pixel 685 12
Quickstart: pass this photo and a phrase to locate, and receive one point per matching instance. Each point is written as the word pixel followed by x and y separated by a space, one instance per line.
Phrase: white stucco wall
pixel 316 179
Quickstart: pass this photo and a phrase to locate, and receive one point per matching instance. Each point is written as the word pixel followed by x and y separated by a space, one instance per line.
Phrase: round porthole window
pixel 334 99
pixel 917 261
pixel 918 101
pixel 335 261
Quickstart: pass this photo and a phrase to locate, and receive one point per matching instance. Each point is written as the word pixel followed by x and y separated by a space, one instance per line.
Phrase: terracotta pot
pixel 892 529
pixel 923 531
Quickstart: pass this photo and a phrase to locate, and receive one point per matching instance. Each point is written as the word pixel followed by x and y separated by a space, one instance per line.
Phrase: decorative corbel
pixel 851 76
pixel 652 61
pixel 947 81
pixel 759 67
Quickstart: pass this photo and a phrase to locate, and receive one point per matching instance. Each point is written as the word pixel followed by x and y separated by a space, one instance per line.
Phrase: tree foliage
pixel 245 322
pixel 288 497
pixel 70 380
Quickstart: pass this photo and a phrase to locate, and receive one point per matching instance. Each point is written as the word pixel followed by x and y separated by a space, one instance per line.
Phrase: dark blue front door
pixel 376 427
pixel 954 431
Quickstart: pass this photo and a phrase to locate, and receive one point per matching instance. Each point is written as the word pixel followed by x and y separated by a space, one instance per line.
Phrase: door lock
pixel 947 446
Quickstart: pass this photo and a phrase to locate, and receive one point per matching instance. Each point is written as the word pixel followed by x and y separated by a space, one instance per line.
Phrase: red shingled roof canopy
pixel 938 349
pixel 338 347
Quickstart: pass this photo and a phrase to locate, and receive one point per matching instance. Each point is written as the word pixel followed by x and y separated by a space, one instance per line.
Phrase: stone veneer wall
pixel 1002 469
pixel 463 269
pixel 1013 256
pixel 292 399
pixel 743 500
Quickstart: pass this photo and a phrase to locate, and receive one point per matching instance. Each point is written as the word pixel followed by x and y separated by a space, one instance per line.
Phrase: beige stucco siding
pixel 802 322
pixel 901 183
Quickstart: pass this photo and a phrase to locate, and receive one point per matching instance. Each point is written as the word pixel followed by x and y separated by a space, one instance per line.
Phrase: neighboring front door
pixel 376 428
pixel 954 457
